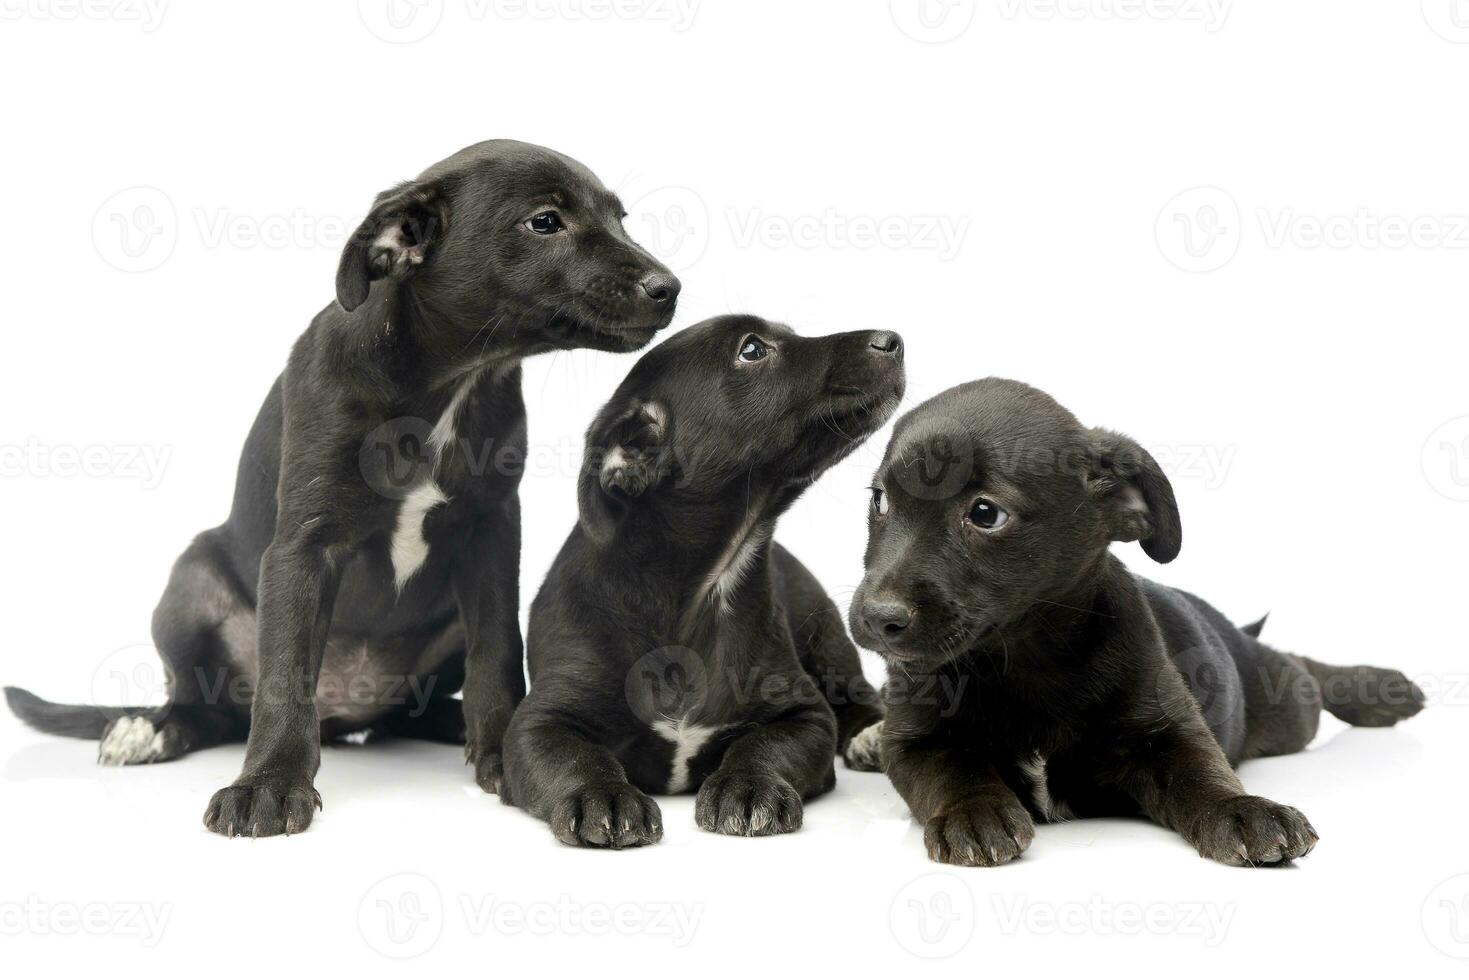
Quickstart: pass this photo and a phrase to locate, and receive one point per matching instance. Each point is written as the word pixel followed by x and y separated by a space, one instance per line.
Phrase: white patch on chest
pixel 1034 769
pixel 129 741
pixel 410 547
pixel 688 740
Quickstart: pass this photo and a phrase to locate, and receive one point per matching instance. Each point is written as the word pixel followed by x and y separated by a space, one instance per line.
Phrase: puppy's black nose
pixel 886 617
pixel 885 342
pixel 661 287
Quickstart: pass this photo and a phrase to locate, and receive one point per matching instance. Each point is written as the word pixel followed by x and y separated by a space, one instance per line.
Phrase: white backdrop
pixel 1237 230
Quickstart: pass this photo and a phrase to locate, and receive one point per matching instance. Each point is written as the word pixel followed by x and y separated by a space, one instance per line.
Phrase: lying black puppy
pixel 673 647
pixel 375 504
pixel 1083 690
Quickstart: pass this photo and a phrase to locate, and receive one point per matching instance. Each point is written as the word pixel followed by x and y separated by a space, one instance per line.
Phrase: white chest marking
pixel 688 740
pixel 129 741
pixel 442 435
pixel 730 570
pixel 410 547
pixel 1040 789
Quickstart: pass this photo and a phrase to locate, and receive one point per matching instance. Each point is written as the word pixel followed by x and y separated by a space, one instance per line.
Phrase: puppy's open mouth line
pixel 617 332
pixel 866 411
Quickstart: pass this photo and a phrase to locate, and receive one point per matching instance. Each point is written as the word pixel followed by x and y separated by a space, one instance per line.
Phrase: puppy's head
pixel 993 503
pixel 513 244
pixel 733 407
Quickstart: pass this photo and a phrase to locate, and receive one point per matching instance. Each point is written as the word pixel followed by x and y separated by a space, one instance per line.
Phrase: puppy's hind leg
pixel 204 629
pixel 1369 697
pixel 188 628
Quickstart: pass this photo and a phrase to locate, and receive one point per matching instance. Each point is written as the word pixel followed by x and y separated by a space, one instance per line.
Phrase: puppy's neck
pixel 746 548
pixel 419 347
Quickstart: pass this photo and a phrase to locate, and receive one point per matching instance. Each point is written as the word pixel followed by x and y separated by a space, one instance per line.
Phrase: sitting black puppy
pixel 1083 690
pixel 673 647
pixel 370 565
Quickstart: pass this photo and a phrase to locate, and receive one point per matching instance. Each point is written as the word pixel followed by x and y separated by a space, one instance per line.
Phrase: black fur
pixel 1077 688
pixel 285 624
pixel 690 465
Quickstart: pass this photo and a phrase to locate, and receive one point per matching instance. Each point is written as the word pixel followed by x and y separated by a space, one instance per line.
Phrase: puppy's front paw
pixel 864 752
pixel 612 815
pixel 1251 830
pixel 262 809
pixel 747 805
pixel 984 831
pixel 489 766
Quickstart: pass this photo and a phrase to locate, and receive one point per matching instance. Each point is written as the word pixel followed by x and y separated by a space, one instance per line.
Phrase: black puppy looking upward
pixel 673 647
pixel 369 566
pixel 1080 685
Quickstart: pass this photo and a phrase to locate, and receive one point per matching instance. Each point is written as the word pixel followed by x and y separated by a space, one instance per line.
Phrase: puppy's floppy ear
pixel 629 451
pixel 1135 495
pixel 394 239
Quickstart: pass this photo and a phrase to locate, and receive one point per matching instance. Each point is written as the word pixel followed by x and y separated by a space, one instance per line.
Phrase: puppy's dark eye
pixel 879 501
pixel 545 223
pixel 988 515
pixel 752 348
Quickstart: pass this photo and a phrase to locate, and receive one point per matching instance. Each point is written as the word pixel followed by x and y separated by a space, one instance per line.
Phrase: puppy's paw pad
pixel 134 740
pixel 983 832
pixel 261 809
pixel 614 815
pixel 747 805
pixel 864 751
pixel 1253 831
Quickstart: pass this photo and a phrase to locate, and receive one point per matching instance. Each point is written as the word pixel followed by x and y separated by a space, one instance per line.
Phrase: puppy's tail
pixel 74 720
pixel 1253 629
pixel 1369 697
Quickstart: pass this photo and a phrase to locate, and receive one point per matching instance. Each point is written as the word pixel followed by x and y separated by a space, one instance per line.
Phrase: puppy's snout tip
pixel 885 342
pixel 887 618
pixel 661 288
